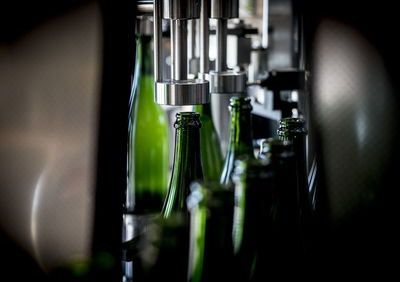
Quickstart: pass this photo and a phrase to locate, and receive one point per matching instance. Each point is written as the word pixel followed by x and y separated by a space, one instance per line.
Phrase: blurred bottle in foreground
pixel 211 250
pixel 252 214
pixel 285 245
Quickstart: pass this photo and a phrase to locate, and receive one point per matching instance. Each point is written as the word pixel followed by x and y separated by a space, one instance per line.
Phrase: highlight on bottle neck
pixel 187 120
pixel 272 145
pixel 240 103
pixel 291 126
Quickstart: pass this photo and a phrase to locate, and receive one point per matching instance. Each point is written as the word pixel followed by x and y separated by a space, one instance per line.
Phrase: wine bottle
pixel 148 154
pixel 211 214
pixel 283 243
pixel 293 130
pixel 253 198
pixel 211 154
pixel 148 146
pixel 164 250
pixel 240 136
pixel 187 165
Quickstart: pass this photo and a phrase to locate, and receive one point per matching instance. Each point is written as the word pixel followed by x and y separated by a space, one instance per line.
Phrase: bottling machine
pixel 66 72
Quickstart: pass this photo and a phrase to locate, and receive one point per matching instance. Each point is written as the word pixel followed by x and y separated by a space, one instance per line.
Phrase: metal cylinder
pixel 179 49
pixel 192 39
pixel 144 7
pixel 224 9
pixel 181 9
pixel 204 38
pixel 193 34
pixel 184 92
pixel 264 37
pixel 228 81
pixel 221 38
pixel 258 68
pixel 157 39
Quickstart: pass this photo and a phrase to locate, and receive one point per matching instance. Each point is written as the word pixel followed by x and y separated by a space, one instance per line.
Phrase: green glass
pixel 211 154
pixel 148 145
pixel 252 214
pixel 187 162
pixel 282 246
pixel 147 160
pixel 293 130
pixel 240 142
pixel 211 252
pixel 164 250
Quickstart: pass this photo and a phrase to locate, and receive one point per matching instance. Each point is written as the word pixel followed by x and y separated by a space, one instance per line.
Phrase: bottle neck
pixel 240 137
pixel 145 55
pixel 187 168
pixel 187 147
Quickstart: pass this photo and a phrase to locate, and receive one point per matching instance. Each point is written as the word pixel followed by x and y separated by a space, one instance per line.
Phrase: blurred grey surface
pixel 50 87
pixel 355 114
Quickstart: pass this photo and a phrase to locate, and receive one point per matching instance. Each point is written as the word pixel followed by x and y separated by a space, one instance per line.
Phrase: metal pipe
pixel 172 35
pixel 204 37
pixel 144 7
pixel 192 39
pixel 264 38
pixel 221 38
pixel 179 60
pixel 157 40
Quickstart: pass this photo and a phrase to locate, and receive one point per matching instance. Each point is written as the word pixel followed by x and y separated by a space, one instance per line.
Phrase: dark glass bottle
pixel 164 250
pixel 187 162
pixel 284 245
pixel 252 214
pixel 240 142
pixel 293 130
pixel 211 250
pixel 210 145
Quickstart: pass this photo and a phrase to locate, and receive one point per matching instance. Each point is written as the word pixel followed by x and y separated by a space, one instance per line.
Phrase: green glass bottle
pixel 252 214
pixel 293 130
pixel 211 154
pixel 240 136
pixel 187 165
pixel 164 250
pixel 148 155
pixel 211 251
pixel 283 245
pixel 148 146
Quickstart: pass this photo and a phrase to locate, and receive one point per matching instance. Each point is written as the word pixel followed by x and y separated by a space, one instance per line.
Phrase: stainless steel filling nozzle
pixel 177 90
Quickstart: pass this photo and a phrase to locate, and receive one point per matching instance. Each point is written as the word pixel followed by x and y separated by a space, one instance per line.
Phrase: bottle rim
pixel 291 125
pixel 187 119
pixel 240 102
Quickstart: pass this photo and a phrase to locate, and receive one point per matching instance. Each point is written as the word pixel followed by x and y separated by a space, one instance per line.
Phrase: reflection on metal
pixel 177 90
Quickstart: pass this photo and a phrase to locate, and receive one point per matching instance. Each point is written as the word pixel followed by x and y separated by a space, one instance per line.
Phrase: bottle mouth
pixel 295 125
pixel 240 102
pixel 187 120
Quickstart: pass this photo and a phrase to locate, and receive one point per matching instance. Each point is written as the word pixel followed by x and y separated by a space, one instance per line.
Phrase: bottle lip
pixel 292 125
pixel 187 119
pixel 240 102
